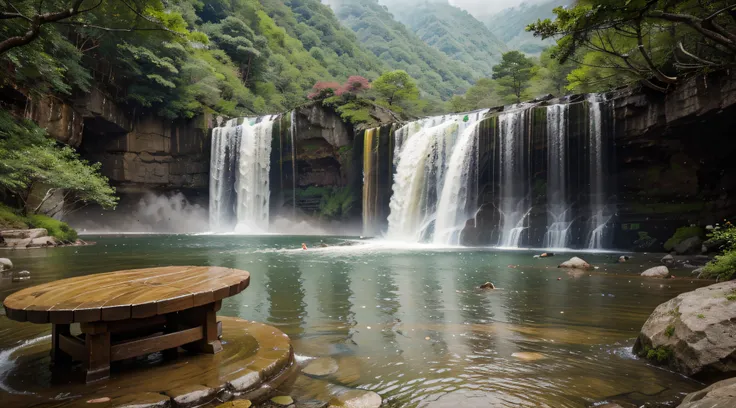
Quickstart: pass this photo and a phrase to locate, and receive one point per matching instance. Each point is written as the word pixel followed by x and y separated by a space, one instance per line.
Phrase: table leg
pixel 172 326
pixel 205 316
pixel 97 366
pixel 58 356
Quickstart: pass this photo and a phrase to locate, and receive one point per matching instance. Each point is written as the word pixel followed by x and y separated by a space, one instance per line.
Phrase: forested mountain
pixel 451 30
pixel 509 25
pixel 399 48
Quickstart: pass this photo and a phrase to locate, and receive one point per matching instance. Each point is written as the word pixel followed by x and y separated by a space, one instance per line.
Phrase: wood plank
pixel 151 345
pixel 73 347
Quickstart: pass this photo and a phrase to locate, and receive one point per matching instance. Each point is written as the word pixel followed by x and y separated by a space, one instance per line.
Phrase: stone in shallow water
pixel 192 395
pixel 142 400
pixel 236 404
pixel 575 263
pixel 283 400
pixel 529 356
pixel 321 367
pixel 656 272
pixel 356 399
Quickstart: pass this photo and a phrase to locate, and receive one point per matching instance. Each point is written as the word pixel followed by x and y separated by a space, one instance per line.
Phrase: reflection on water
pixel 409 323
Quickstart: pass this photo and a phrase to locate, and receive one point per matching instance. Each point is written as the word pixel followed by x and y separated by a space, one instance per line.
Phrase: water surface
pixel 409 322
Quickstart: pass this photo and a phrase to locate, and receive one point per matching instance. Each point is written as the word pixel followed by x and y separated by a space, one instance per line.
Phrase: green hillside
pixel 453 31
pixel 510 24
pixel 399 48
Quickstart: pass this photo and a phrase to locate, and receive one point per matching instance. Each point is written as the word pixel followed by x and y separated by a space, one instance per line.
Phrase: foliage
pixel 355 85
pixel 551 77
pixel 669 331
pixel 724 234
pixel 57 229
pixel 682 234
pixel 508 25
pixel 400 49
pixel 645 241
pixel 660 354
pixel 397 89
pixel 513 75
pixel 452 31
pixel 337 204
pixel 483 94
pixel 322 90
pixel 10 219
pixel 29 158
pixel 655 42
pixel 723 267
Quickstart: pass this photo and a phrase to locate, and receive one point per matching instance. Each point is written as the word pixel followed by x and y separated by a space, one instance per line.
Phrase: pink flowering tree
pixel 354 85
pixel 322 90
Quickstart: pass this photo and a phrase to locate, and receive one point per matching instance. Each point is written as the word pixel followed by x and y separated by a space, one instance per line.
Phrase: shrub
pixel 669 331
pixel 682 234
pixel 57 229
pixel 722 268
pixel 645 241
pixel 9 219
pixel 658 354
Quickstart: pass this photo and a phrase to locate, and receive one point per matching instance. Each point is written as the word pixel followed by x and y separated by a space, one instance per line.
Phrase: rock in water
pixel 283 400
pixel 696 331
pixel 719 395
pixel 21 276
pixel 488 285
pixel 656 272
pixel 236 404
pixel 321 367
pixel 668 260
pixel 356 399
pixel 5 264
pixel 692 245
pixel 529 356
pixel 575 263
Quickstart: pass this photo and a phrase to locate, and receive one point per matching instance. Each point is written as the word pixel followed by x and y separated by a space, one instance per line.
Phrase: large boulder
pixel 694 333
pixel 5 264
pixel 668 260
pixel 24 233
pixel 656 272
pixel 692 245
pixel 575 263
pixel 719 395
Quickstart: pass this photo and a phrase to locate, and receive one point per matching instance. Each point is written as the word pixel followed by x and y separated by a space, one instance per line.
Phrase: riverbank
pixel 18 231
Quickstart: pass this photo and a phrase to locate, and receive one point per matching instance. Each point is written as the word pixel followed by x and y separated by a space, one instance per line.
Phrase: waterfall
pixel 369 181
pixel 558 209
pixel 598 217
pixel 223 161
pixel 458 200
pixel 239 175
pixel 294 181
pixel 514 200
pixel 422 150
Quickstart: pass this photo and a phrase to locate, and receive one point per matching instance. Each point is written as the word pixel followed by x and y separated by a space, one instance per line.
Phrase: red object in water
pixel 304 247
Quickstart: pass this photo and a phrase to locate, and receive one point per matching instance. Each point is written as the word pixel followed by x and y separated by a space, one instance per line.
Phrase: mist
pixel 478 8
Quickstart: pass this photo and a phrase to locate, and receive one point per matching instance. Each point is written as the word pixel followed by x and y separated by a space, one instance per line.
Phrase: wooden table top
pixel 130 294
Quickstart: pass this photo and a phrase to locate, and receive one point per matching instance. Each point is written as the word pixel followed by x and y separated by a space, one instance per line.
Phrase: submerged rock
pixel 719 395
pixel 694 332
pixel 21 276
pixel 529 356
pixel 488 285
pixel 656 272
pixel 623 259
pixel 575 263
pixel 282 400
pixel 5 264
pixel 236 404
pixel 356 399
pixel 321 367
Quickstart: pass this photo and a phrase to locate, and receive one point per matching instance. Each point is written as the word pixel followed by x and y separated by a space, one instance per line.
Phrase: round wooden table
pixel 129 313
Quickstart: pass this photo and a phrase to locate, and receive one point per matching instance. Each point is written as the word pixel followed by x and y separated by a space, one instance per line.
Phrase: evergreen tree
pixel 513 74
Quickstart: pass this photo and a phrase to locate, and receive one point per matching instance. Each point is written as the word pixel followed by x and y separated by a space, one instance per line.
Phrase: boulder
pixel 656 272
pixel 692 245
pixel 668 260
pixel 321 367
pixel 356 399
pixel 43 242
pixel 5 264
pixel 694 333
pixel 21 276
pixel 575 263
pixel 24 234
pixel 488 285
pixel 719 395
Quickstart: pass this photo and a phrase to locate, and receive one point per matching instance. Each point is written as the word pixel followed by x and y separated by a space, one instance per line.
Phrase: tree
pixel 552 76
pixel 30 159
pixel 513 74
pixel 483 94
pixel 25 19
pixel 647 40
pixel 242 44
pixel 355 85
pixel 396 87
pixel 322 90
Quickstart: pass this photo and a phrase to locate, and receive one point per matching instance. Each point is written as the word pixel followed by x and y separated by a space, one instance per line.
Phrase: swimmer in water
pixel 304 246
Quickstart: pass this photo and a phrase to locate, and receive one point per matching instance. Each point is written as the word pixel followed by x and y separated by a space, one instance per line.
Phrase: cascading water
pixel 459 198
pixel 369 182
pixel 239 175
pixel 558 209
pixel 223 161
pixel 598 217
pixel 514 200
pixel 294 181
pixel 422 150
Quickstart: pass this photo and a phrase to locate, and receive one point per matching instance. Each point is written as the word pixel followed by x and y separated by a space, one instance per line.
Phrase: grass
pixel 11 219
pixel 659 355
pixel 669 331
pixel 701 316
pixel 731 296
